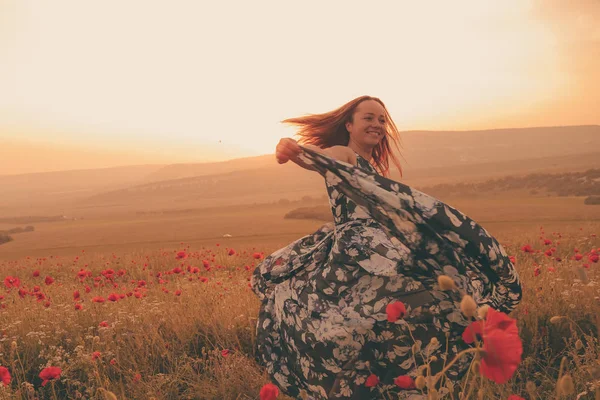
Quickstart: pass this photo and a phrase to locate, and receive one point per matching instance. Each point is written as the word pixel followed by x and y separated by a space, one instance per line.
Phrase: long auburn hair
pixel 329 129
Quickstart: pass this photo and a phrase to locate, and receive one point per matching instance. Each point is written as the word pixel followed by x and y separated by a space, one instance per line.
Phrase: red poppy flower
pixel 12 281
pixel 78 307
pixel 49 373
pixel 372 381
pixel 4 376
pixel 257 255
pixel 527 248
pixel 96 355
pixel 405 382
pixel 231 252
pixel 98 299
pixel 470 332
pixel 49 280
pixel 36 273
pixel 269 392
pixel 76 295
pixel 395 311
pixel 113 297
pixel 515 397
pixel 593 257
pixel 178 292
pixel 225 352
pixel 502 346
pixel 181 255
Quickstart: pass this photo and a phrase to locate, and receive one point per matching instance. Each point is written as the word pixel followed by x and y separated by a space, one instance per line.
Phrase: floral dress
pixel 323 330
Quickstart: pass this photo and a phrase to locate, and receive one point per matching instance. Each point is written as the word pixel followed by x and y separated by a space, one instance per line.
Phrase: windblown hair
pixel 329 129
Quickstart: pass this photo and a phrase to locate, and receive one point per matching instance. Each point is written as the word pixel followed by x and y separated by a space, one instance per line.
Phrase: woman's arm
pixel 340 153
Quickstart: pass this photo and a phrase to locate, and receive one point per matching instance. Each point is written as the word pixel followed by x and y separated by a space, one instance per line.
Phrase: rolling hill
pixel 428 158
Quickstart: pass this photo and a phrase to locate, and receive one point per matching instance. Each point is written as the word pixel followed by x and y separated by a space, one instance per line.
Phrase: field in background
pixel 155 325
pixel 504 215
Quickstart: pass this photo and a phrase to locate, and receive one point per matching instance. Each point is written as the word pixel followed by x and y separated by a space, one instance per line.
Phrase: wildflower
pixel 225 352
pixel 103 324
pixel 181 255
pixel 405 382
pixel 231 252
pixel 178 292
pixel 565 385
pixel 96 355
pixel 36 273
pixel 372 381
pixel 78 307
pixel 257 256
pixel 49 280
pixel 395 311
pixel 98 299
pixel 593 258
pixel 515 397
pixel 76 295
pixel 446 283
pixel 12 281
pixel 137 377
pixel 49 373
pixel 482 311
pixel 502 346
pixel 468 306
pixel 113 297
pixel 4 376
pixel 420 382
pixel 269 392
pixel 527 248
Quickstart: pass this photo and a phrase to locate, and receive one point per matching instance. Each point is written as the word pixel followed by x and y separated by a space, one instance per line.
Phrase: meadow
pixel 141 307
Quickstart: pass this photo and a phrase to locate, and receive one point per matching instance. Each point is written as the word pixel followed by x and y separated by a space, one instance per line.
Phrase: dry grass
pixel 174 342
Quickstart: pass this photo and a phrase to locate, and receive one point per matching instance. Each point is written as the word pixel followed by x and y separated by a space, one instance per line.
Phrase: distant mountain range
pixel 427 157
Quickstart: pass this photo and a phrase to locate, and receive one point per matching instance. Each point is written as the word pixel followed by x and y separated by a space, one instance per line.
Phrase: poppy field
pixel 179 323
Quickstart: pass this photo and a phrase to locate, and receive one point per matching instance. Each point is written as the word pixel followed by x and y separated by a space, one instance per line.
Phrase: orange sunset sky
pixel 95 84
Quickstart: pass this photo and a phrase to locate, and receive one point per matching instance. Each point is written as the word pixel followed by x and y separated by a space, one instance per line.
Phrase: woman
pixel 322 331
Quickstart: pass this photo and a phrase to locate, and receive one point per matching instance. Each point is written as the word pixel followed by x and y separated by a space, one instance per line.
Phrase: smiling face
pixel 367 127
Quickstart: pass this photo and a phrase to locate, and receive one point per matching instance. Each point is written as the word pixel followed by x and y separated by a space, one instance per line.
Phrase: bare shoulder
pixel 339 152
pixel 344 153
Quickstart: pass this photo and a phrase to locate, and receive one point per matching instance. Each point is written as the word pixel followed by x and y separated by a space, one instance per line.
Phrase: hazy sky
pixel 165 81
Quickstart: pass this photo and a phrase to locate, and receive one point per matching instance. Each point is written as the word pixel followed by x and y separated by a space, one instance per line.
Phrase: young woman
pixel 323 330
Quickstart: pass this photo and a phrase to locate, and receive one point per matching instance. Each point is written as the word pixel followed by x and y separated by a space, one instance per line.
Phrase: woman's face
pixel 368 123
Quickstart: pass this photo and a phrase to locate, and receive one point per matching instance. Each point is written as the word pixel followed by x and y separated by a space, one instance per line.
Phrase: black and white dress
pixel 322 327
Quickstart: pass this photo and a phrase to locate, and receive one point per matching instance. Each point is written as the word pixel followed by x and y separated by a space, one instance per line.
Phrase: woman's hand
pixel 287 149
